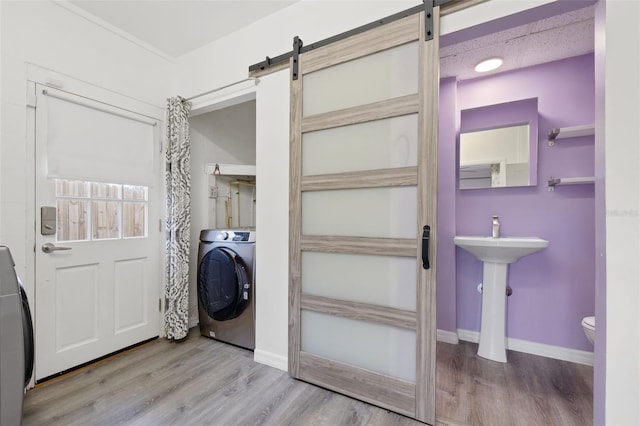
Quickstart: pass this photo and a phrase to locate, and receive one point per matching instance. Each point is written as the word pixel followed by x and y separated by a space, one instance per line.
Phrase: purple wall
pixel 555 288
pixel 449 124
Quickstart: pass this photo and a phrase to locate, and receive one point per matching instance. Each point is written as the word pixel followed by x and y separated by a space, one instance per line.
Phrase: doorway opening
pixel 223 173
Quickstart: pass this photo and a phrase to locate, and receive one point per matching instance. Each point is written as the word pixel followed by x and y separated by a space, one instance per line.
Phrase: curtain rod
pixel 99 106
pixel 256 80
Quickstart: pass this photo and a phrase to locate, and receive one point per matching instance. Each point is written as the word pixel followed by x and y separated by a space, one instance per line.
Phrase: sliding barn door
pixel 363 186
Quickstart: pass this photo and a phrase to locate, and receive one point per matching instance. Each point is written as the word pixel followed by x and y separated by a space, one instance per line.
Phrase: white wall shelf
pixel 230 169
pixel 583 180
pixel 570 132
pixel 566 133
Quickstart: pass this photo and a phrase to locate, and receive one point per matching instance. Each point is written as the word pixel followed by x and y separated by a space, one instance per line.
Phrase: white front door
pixel 97 258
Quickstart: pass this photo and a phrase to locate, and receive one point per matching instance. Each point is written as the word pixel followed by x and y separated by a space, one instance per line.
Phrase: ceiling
pixel 558 37
pixel 204 21
pixel 200 21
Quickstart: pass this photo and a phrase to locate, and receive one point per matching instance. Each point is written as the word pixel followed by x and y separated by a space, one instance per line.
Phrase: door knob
pixel 50 248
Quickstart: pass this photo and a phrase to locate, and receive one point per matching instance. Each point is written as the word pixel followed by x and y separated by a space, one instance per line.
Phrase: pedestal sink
pixel 496 255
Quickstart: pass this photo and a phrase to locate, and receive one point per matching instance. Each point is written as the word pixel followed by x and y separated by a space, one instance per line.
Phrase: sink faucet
pixel 495 227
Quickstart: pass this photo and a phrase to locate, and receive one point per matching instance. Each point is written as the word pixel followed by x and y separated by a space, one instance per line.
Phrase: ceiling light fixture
pixel 488 65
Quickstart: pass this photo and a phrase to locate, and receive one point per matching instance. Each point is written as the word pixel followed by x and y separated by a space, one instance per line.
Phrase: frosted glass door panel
pixel 371 212
pixel 376 347
pixel 385 75
pixel 378 280
pixel 380 144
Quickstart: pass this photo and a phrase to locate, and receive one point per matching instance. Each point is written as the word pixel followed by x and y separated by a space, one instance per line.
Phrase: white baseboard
pixel 469 336
pixel 193 322
pixel 447 337
pixel 272 360
pixel 549 351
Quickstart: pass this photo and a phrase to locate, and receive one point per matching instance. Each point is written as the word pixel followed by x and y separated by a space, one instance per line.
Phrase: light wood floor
pixel 204 382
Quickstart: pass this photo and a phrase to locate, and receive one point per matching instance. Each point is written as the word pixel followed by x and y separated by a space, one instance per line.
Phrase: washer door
pixel 27 327
pixel 223 284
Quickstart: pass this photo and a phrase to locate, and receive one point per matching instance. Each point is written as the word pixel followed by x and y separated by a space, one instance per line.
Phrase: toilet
pixel 589 326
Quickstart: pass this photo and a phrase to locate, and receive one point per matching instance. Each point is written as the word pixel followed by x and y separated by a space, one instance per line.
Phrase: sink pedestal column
pixel 492 327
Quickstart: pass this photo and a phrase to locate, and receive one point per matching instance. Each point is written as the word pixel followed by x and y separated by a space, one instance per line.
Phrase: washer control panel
pixel 228 235
pixel 240 236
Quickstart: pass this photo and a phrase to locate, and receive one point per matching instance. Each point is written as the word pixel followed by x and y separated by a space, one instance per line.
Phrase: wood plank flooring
pixel 528 390
pixel 204 382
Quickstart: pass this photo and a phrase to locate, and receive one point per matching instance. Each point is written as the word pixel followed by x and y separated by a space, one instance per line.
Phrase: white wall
pixel 226 136
pixel 229 133
pixel 48 35
pixel 622 192
pixel 227 60
pixel 272 219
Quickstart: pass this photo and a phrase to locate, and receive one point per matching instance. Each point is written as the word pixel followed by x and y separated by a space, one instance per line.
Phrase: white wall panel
pixel 390 73
pixel 379 280
pixel 380 348
pixel 130 288
pixel 272 219
pixel 395 212
pixel 380 144
pixel 622 193
pixel 77 316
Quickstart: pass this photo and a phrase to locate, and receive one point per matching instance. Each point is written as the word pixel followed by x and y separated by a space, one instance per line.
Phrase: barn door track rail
pixel 299 47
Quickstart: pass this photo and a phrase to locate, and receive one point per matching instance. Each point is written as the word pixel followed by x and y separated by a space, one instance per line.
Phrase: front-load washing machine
pixel 226 285
pixel 16 341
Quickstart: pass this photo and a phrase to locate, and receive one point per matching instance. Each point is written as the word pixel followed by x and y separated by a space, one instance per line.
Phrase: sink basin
pixel 496 254
pixel 500 250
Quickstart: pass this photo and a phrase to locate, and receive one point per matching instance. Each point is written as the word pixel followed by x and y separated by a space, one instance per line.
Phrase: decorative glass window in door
pixel 90 211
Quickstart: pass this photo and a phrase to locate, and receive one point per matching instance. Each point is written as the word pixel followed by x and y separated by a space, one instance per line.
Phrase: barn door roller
pixel 428 20
pixel 297 45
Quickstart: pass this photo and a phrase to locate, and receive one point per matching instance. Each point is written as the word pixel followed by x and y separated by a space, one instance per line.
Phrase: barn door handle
pixel 426 230
pixel 50 248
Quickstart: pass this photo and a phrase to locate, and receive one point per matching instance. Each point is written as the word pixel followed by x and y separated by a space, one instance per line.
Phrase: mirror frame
pixel 505 114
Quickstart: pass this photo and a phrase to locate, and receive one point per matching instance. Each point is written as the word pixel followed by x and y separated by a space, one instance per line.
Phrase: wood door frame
pixel 405 397
pixel 427 214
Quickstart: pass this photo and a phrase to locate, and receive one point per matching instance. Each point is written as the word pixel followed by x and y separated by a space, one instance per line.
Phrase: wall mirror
pixel 499 145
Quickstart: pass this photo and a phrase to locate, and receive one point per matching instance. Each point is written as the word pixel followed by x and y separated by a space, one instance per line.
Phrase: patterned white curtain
pixel 178 181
